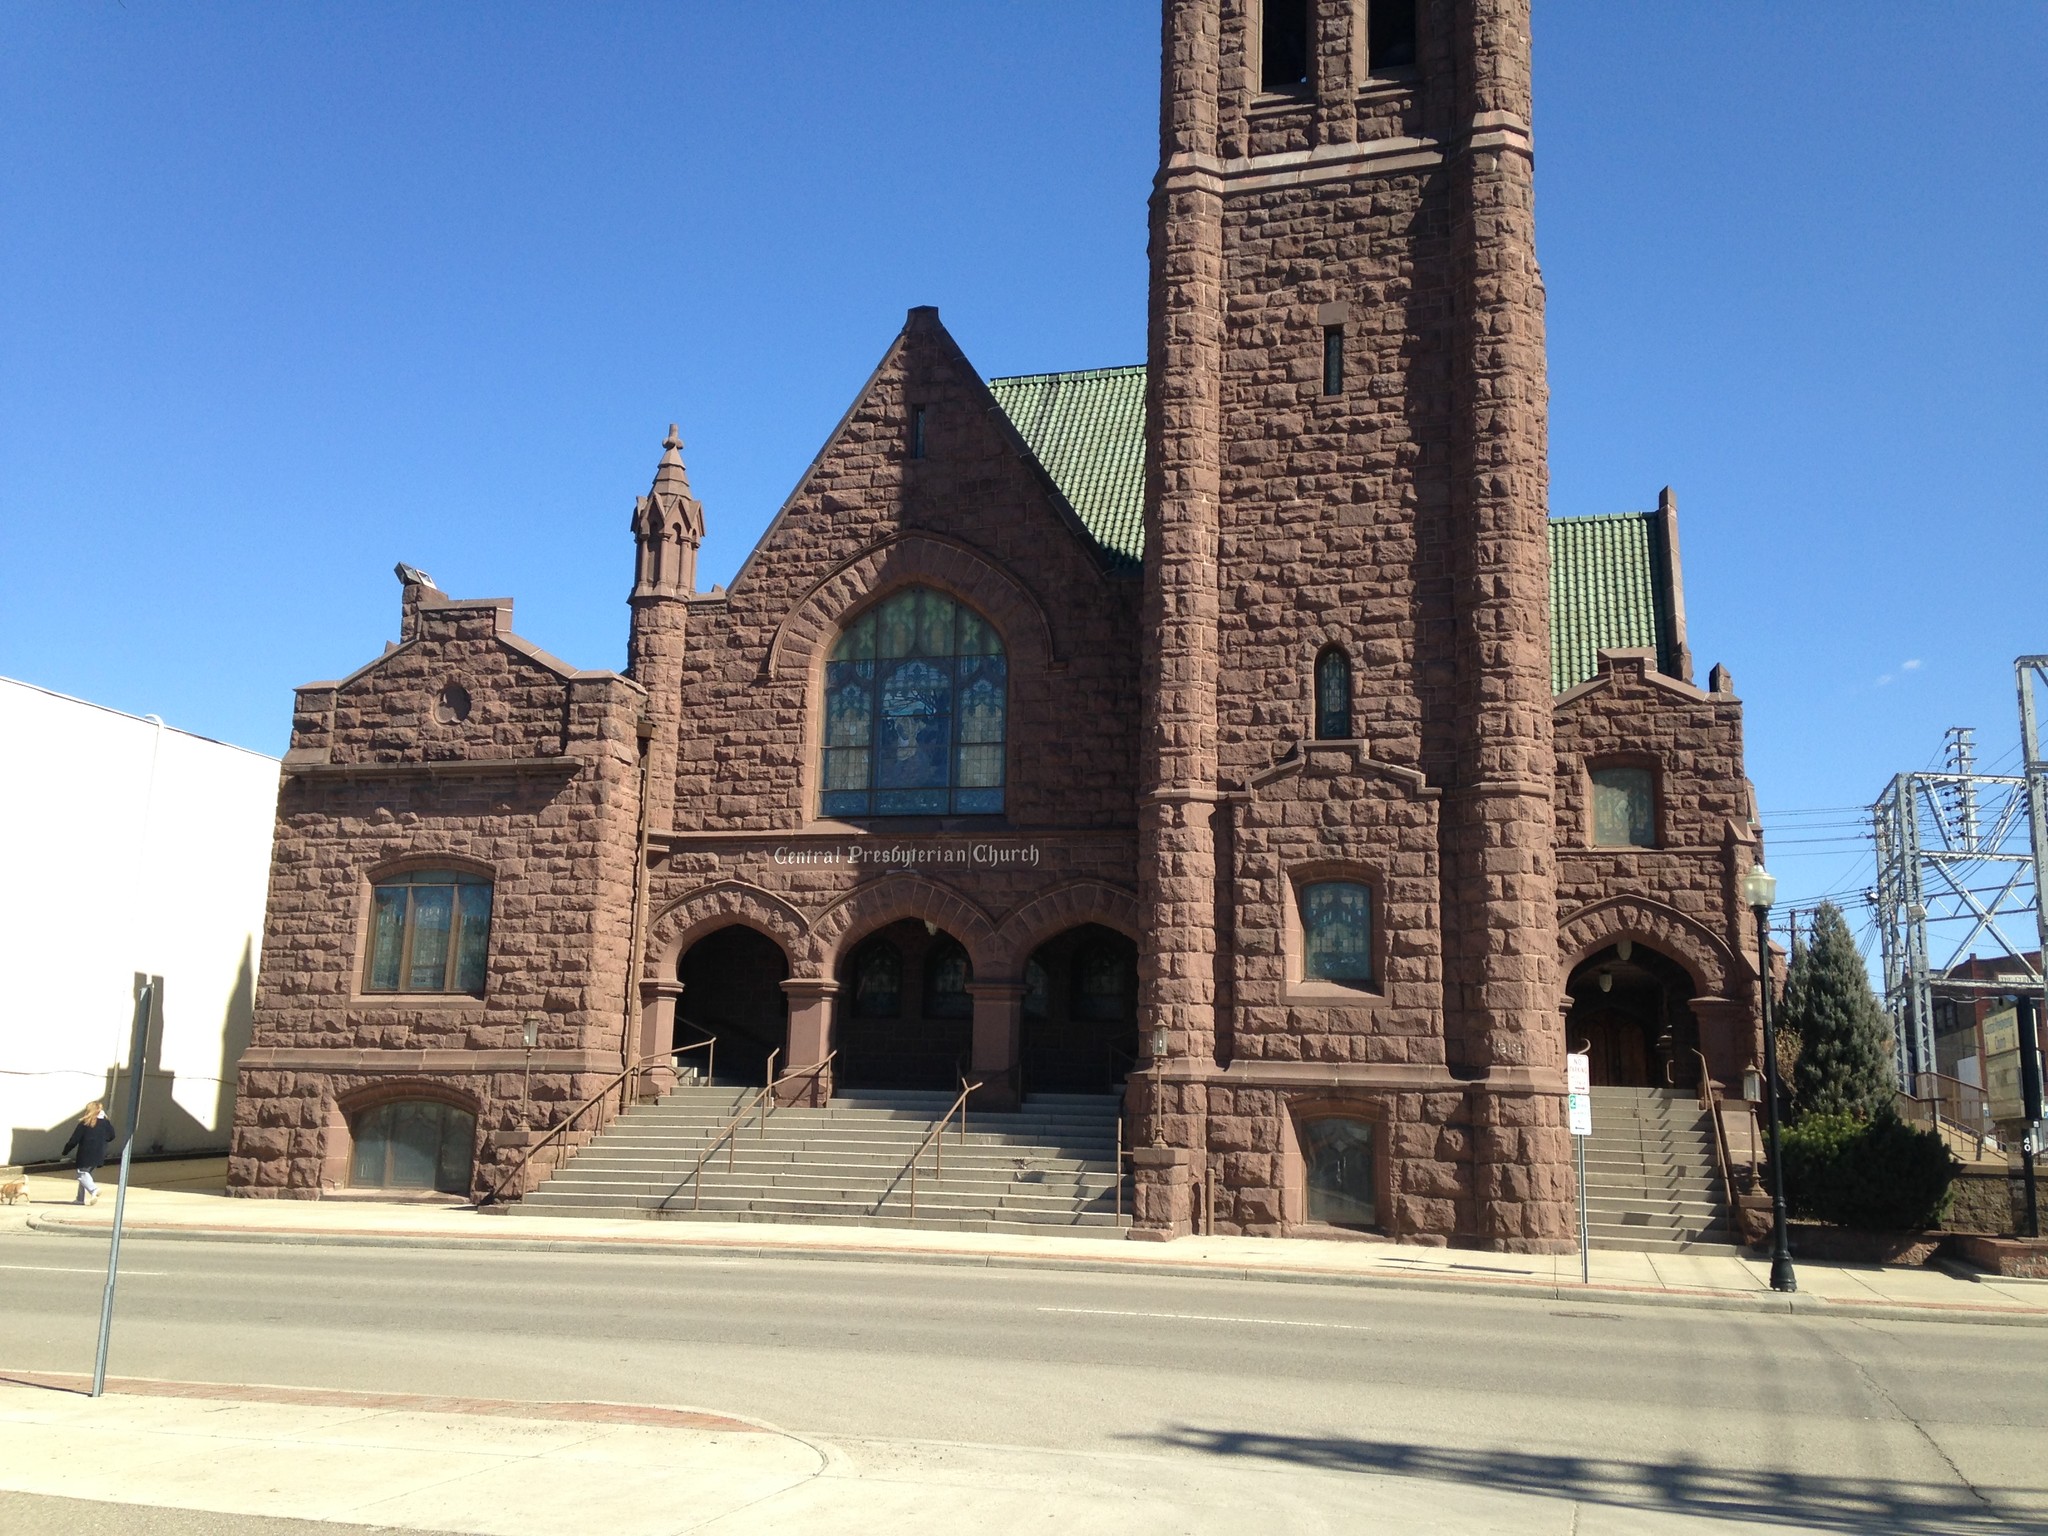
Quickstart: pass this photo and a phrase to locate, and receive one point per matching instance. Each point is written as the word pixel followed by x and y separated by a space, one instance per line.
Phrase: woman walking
pixel 93 1134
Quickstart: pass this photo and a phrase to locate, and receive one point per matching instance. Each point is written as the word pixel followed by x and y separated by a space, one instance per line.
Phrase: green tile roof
pixel 1606 592
pixel 1088 430
pixel 1607 585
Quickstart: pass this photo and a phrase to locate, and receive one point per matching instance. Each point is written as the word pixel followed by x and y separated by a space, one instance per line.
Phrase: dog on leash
pixel 14 1192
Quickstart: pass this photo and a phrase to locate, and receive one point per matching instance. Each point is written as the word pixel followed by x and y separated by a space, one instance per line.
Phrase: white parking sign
pixel 1578 1083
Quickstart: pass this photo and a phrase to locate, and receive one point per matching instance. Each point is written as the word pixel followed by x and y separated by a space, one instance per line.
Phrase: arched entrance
pixel 732 989
pixel 1631 1013
pixel 904 1016
pixel 1080 1012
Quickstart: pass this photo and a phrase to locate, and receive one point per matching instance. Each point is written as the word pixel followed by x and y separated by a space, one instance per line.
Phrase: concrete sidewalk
pixel 186 1200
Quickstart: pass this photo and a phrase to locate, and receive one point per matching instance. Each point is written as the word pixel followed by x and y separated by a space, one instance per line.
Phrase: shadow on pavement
pixel 1793 1499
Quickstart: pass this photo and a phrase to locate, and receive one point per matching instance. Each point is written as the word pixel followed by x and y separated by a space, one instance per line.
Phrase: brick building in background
pixel 1235 732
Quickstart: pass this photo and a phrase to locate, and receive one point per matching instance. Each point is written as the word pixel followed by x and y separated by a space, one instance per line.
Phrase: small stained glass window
pixel 878 981
pixel 1037 990
pixel 1336 928
pixel 1105 981
pixel 1624 808
pixel 916 711
pixel 1337 1153
pixel 430 931
pixel 1333 695
pixel 946 975
pixel 413 1144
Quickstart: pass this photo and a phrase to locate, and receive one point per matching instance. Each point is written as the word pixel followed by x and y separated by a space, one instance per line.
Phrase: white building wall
pixel 126 848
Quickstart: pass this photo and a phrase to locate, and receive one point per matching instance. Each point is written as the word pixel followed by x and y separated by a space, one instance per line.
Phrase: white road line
pixel 68 1269
pixel 1206 1317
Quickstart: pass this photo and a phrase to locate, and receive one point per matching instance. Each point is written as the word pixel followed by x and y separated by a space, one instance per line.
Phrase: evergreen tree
pixel 1845 1038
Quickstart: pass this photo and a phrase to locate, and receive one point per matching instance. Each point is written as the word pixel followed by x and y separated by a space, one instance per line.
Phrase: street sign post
pixel 1578 1083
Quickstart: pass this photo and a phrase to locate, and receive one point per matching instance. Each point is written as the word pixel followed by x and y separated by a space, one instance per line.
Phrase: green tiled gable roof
pixel 1606 592
pixel 1608 587
pixel 1088 430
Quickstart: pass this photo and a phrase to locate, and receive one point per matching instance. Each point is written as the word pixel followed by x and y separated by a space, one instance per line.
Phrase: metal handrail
pixel 762 1099
pixel 710 1050
pixel 1952 1099
pixel 1710 1096
pixel 939 1152
pixel 554 1131
pixel 727 1130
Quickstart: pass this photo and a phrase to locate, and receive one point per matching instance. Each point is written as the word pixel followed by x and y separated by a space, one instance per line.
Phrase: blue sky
pixel 288 293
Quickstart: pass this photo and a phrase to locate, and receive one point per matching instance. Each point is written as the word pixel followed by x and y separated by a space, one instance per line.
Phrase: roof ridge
pixel 1068 373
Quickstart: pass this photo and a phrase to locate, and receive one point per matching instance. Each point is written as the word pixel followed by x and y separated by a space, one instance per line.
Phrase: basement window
pixel 1390 35
pixel 413 1144
pixel 1283 45
pixel 1336 1154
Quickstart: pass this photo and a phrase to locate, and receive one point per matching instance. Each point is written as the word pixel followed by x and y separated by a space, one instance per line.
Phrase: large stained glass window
pixel 430 931
pixel 1336 930
pixel 1624 808
pixel 916 699
pixel 1337 1152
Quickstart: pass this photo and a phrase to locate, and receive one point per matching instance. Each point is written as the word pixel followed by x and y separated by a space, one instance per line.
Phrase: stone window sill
pixel 1330 994
pixel 437 1001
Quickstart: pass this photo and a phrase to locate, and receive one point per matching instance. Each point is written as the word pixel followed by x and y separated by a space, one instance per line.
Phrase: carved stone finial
pixel 674 439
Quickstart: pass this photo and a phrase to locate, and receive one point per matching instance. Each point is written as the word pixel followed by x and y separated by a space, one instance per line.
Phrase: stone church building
pixel 1235 733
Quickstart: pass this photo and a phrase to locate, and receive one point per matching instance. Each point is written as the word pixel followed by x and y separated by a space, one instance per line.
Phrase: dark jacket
pixel 91 1141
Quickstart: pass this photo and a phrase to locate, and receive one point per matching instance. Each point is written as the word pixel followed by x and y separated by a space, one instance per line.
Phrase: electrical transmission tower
pixel 1958 855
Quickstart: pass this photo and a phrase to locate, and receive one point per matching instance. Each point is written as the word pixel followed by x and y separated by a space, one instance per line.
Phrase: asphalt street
pixel 1633 1415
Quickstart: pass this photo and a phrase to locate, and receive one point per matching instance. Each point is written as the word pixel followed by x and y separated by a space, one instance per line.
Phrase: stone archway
pixel 732 996
pixel 1078 1024
pixel 1631 1013
pixel 905 1019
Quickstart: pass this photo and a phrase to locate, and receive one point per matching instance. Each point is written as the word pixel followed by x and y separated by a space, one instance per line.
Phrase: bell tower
pixel 1347 454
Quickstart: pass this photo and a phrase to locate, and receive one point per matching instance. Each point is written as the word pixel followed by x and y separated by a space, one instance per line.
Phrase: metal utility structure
pixel 1958 855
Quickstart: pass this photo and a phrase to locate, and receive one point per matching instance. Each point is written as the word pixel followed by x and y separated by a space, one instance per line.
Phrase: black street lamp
pixel 1760 889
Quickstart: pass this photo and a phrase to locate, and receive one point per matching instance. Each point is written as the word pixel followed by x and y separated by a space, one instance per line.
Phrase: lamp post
pixel 1760 889
pixel 531 1036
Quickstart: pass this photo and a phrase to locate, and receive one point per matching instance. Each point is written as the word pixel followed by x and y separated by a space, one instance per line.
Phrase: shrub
pixel 1878 1175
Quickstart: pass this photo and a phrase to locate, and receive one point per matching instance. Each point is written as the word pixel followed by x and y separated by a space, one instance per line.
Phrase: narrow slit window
pixel 1390 35
pixel 1333 359
pixel 1333 695
pixel 917 431
pixel 1283 45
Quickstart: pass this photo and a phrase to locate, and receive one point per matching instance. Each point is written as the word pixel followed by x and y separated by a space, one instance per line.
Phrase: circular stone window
pixel 453 706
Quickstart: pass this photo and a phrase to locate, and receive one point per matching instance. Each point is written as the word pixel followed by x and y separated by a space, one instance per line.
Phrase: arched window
pixel 413 1144
pixel 916 700
pixel 1336 932
pixel 878 981
pixel 430 931
pixel 946 974
pixel 1333 695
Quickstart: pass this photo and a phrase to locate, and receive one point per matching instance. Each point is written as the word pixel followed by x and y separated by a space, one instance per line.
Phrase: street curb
pixel 1762 1304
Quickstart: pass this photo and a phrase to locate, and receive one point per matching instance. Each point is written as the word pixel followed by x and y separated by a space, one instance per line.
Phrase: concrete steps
pixel 1651 1179
pixel 1050 1164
